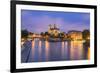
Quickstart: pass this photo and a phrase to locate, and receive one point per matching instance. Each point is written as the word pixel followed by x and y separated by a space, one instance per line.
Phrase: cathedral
pixel 53 30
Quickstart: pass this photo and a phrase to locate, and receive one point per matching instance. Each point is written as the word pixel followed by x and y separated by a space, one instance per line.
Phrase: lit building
pixel 75 35
pixel 30 36
pixel 53 30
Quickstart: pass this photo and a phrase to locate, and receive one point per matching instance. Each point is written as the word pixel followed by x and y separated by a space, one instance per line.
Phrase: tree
pixel 42 34
pixel 46 33
pixel 62 35
pixel 85 34
pixel 24 33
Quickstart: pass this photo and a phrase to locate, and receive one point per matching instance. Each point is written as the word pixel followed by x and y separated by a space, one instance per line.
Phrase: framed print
pixel 51 36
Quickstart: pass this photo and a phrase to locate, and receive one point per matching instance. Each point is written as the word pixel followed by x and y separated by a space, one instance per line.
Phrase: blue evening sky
pixel 38 21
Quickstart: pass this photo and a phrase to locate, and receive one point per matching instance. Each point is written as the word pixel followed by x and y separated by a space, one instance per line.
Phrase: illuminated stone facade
pixel 53 30
pixel 75 35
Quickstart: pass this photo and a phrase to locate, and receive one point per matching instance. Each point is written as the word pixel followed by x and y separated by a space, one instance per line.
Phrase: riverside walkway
pixel 25 51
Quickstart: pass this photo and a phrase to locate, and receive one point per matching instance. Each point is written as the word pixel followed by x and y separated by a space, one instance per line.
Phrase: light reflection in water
pixel 88 54
pixel 33 46
pixel 65 51
pixel 40 48
pixel 57 51
pixel 47 50
pixel 62 50
pixel 76 50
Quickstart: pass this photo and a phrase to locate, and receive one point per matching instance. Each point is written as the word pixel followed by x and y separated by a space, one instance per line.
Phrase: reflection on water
pixel 76 50
pixel 58 51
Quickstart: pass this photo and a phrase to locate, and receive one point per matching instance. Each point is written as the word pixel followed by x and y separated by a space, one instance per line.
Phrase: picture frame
pixel 16 8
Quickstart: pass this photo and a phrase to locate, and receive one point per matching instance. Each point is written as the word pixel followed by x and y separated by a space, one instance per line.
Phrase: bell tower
pixel 50 26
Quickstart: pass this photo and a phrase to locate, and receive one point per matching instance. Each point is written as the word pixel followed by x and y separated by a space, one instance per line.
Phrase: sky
pixel 38 21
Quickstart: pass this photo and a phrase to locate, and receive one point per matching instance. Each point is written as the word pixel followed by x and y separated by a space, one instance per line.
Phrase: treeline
pixel 85 34
pixel 25 33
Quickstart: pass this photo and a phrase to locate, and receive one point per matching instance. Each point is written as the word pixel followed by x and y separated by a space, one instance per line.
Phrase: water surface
pixel 43 51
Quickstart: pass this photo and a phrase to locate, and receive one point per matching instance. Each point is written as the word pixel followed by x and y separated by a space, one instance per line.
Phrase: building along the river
pixel 75 35
pixel 53 30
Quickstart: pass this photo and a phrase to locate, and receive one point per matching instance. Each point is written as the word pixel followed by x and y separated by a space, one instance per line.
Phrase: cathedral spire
pixel 54 25
pixel 50 26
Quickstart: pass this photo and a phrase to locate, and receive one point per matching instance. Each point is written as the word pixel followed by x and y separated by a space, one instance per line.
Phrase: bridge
pixel 35 36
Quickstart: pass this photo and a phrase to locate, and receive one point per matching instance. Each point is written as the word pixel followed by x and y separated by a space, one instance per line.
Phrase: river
pixel 44 51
